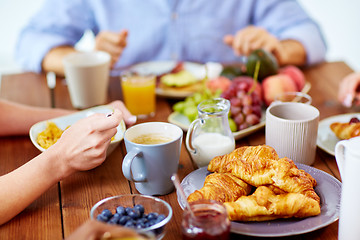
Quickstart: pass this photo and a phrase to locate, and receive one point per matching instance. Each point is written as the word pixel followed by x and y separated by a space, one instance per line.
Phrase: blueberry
pixel 160 218
pixel 101 218
pixel 129 223
pixel 152 216
pixel 106 213
pixel 135 214
pixel 152 222
pixel 120 210
pixel 124 219
pixel 128 210
pixel 140 225
pixel 140 208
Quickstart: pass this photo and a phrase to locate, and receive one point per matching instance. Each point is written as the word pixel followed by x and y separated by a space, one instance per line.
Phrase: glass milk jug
pixel 210 135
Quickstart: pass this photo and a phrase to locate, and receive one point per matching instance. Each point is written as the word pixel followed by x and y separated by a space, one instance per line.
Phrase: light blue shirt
pixel 187 30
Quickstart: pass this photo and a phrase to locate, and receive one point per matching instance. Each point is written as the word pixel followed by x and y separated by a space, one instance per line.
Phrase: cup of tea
pixel 153 153
pixel 87 77
pixel 347 157
pixel 291 129
pixel 139 93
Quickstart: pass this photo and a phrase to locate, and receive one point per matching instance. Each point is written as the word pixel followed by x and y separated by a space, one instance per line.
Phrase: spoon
pixel 175 180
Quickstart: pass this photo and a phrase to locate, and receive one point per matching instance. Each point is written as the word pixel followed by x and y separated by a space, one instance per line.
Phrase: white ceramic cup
pixel 87 77
pixel 151 166
pixel 291 129
pixel 347 155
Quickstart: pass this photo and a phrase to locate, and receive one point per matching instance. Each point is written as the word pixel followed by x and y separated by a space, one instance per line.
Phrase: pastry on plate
pixel 222 187
pixel 346 130
pixel 278 188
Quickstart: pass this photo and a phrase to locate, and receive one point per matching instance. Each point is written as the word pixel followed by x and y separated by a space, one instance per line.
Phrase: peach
pixel 275 85
pixel 295 74
pixel 218 83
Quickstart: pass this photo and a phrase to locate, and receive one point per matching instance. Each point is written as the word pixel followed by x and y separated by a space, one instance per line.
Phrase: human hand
pixel 349 90
pixel 111 42
pixel 128 117
pixel 251 38
pixel 83 146
pixel 96 230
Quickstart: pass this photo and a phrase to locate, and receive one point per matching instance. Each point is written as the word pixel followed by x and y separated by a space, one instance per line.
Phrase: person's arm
pixel 53 60
pixel 81 147
pixel 287 29
pixel 93 229
pixel 251 38
pixel 16 119
pixel 349 90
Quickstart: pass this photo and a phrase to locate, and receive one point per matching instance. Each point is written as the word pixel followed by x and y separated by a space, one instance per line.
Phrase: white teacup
pixel 153 153
pixel 291 129
pixel 87 77
pixel 347 156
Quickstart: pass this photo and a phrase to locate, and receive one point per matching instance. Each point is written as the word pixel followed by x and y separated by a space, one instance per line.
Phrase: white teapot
pixel 347 155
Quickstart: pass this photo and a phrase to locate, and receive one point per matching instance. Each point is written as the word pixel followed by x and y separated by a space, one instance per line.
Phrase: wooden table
pixel 63 208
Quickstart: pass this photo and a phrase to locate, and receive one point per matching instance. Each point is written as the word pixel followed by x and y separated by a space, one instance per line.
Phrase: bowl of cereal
pixel 147 215
pixel 45 133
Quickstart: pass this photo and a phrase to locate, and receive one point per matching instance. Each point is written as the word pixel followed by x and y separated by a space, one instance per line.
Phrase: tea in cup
pixel 139 93
pixel 291 129
pixel 87 77
pixel 153 153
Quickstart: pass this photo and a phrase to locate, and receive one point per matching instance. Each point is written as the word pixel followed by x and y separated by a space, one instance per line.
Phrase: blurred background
pixel 339 21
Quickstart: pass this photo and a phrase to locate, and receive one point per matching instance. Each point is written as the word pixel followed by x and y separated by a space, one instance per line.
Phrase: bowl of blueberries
pixel 147 215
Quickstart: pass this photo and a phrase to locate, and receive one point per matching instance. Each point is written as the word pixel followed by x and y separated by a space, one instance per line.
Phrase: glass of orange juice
pixel 139 93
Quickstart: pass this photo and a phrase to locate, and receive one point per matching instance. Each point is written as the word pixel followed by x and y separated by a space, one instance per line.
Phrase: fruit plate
pixel 326 139
pixel 65 121
pixel 328 188
pixel 162 67
pixel 183 122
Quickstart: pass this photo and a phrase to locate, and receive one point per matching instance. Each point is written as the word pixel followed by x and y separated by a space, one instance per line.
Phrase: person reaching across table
pixel 349 90
pixel 13 122
pixel 199 31
pixel 81 147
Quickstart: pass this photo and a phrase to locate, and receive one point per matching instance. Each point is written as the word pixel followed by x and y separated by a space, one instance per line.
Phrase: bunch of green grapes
pixel 188 107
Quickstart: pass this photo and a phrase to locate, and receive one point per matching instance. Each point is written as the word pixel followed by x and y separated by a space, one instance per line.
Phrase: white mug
pixel 87 77
pixel 151 164
pixel 291 129
pixel 347 155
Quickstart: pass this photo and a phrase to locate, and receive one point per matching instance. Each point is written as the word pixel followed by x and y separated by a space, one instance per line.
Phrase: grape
pixel 252 119
pixel 235 110
pixel 246 106
pixel 236 102
pixel 239 119
pixel 247 110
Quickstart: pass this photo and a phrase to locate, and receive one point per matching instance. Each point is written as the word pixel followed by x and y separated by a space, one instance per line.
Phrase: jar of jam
pixel 208 220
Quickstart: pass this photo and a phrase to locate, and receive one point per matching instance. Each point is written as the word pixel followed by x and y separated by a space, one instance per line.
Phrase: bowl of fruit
pixel 147 215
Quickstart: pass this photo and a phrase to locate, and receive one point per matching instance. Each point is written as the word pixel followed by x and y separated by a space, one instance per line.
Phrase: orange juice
pixel 139 94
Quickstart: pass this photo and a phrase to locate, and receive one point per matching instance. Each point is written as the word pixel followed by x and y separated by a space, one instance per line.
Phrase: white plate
pixel 183 122
pixel 65 121
pixel 328 188
pixel 162 67
pixel 326 139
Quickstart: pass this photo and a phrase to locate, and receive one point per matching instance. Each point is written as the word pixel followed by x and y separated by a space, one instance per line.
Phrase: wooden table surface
pixel 63 208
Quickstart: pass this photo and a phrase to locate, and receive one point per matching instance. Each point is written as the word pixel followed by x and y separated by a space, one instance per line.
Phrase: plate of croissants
pixel 264 195
pixel 337 128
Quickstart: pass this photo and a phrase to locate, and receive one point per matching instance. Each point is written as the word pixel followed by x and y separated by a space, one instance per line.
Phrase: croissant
pixel 247 154
pixel 222 187
pixel 345 130
pixel 259 166
pixel 265 205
